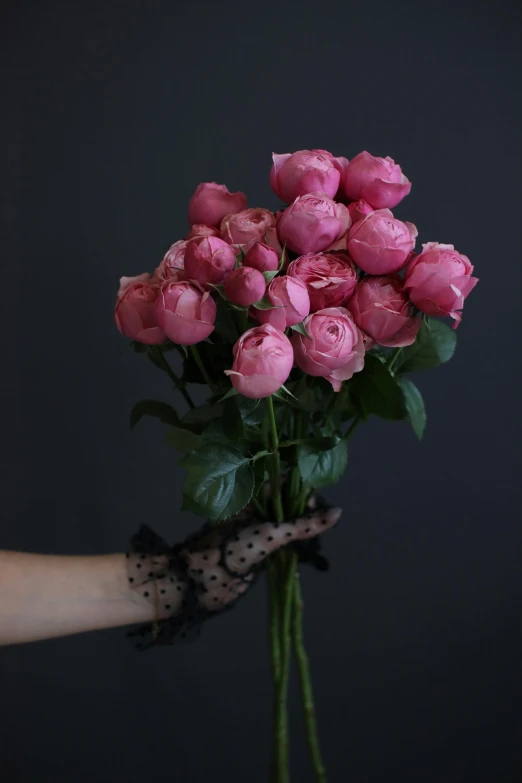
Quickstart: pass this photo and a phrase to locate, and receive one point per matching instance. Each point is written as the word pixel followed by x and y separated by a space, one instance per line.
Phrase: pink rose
pixel 262 257
pixel 381 308
pixel 307 171
pixel 134 311
pixel 334 349
pixel 200 230
pixel 172 265
pixel 359 209
pixel 263 359
pixel 291 302
pixel 185 311
pixel 330 279
pixel 208 260
pixel 126 282
pixel 245 228
pixel 439 279
pixel 312 223
pixel 379 181
pixel 244 286
pixel 211 202
pixel 381 244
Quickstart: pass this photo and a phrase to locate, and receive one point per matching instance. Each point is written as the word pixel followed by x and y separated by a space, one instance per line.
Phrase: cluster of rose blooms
pixel 349 274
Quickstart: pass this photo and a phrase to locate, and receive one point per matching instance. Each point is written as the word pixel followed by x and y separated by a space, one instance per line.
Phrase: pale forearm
pixel 42 596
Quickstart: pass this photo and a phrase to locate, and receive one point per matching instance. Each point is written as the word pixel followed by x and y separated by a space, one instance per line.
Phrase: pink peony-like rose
pixel 381 244
pixel 211 202
pixel 359 209
pixel 379 181
pixel 185 311
pixel 291 301
pixel 262 257
pixel 306 171
pixel 312 223
pixel 126 282
pixel 381 308
pixel 330 278
pixel 245 228
pixel 244 286
pixel 200 230
pixel 173 263
pixel 334 349
pixel 134 310
pixel 208 260
pixel 263 359
pixel 439 279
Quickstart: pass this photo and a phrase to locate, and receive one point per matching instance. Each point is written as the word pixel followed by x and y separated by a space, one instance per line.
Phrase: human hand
pixel 208 572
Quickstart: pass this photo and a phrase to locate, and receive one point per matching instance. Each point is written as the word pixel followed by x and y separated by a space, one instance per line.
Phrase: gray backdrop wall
pixel 112 114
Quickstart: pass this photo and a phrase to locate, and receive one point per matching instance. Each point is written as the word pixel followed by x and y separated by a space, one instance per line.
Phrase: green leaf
pixel 319 468
pixel 416 412
pixel 434 345
pixel 252 412
pixel 266 304
pixel 375 390
pixel 318 443
pixel 182 439
pixel 159 410
pixel 301 329
pixel 220 289
pixel 269 276
pixel 230 393
pixel 233 421
pixel 219 482
pixel 225 326
pixel 203 413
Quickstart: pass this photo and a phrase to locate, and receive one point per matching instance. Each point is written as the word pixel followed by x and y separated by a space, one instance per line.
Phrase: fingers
pixel 251 545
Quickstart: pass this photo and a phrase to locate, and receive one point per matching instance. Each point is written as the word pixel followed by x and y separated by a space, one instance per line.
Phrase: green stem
pixel 201 367
pixel 275 652
pixel 178 383
pixel 394 357
pixel 275 462
pixel 303 668
pixel 281 723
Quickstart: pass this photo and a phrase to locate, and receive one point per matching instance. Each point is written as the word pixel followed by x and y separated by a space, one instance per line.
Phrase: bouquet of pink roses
pixel 302 323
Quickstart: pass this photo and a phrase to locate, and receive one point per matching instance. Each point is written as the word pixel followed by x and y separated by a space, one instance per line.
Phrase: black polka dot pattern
pixel 211 569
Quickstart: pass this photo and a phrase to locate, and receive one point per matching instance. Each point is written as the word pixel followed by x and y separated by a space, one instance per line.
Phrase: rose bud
pixel 312 223
pixel 185 311
pixel 381 244
pixel 381 308
pixel 307 171
pixel 211 202
pixel 291 302
pixel 134 311
pixel 200 230
pixel 172 265
pixel 208 260
pixel 334 349
pixel 379 181
pixel 246 228
pixel 244 286
pixel 439 279
pixel 330 279
pixel 263 358
pixel 262 257
pixel 359 209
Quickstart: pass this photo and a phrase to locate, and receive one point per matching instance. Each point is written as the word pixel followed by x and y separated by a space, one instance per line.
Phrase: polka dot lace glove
pixel 210 570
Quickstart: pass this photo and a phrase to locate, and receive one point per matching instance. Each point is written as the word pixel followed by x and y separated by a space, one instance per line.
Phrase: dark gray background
pixel 112 114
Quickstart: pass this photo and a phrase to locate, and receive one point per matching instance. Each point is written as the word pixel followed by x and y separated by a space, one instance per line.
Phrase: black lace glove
pixel 211 569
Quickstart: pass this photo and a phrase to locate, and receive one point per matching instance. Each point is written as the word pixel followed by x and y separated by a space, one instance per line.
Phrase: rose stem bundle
pixel 286 609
